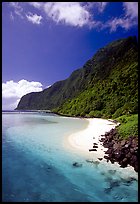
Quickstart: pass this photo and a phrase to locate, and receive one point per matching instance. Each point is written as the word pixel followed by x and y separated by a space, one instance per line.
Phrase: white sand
pixel 84 139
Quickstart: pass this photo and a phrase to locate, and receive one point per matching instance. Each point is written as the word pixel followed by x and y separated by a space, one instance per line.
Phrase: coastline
pixel 83 140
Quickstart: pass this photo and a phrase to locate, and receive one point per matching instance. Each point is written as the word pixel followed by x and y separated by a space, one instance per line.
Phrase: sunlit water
pixel 37 164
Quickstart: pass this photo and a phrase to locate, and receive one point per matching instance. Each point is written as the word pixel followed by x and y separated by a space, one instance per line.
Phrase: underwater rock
pixel 111 171
pixel 89 160
pixel 92 161
pixel 96 162
pixel 114 183
pixel 76 164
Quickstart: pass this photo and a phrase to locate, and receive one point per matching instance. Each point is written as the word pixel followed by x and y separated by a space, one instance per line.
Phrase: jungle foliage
pixel 106 86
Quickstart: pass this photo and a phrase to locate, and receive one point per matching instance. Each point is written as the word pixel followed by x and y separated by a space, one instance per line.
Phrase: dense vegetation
pixel 106 86
pixel 129 125
pixel 113 96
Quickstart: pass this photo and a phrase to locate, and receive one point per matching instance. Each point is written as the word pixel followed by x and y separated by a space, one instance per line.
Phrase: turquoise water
pixel 37 164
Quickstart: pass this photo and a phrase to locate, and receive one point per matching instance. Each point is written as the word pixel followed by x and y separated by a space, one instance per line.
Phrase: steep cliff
pixel 107 84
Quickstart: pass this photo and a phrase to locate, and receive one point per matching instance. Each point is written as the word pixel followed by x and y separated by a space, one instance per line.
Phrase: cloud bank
pixel 76 14
pixel 13 91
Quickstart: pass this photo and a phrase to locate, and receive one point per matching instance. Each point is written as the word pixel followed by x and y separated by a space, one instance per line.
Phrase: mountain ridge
pixel 96 70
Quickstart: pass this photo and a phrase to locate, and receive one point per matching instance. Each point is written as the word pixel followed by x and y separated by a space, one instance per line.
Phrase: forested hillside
pixel 106 86
pixel 113 93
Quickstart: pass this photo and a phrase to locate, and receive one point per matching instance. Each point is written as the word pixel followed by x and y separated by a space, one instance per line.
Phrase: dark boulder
pixel 118 155
pixel 95 146
pixel 123 142
pixel 109 151
pixel 106 157
pixel 92 150
pixel 116 146
pixel 100 159
pixel 122 151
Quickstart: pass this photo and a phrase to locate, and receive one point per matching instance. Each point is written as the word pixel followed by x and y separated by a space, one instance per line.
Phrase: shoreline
pixel 84 139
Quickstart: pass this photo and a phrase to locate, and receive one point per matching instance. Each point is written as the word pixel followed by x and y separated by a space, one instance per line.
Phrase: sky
pixel 44 42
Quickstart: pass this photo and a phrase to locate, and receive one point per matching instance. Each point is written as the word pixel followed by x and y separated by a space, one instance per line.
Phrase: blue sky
pixel 43 42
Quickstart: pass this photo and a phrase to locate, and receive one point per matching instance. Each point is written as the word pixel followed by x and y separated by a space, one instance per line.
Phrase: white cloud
pixel 99 6
pixel 36 4
pixel 78 14
pixel 129 20
pixel 115 23
pixel 13 91
pixel 102 6
pixel 34 18
pixel 17 8
pixel 70 13
pixel 131 9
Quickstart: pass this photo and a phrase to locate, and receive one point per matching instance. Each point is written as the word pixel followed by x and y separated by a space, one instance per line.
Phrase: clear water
pixel 37 164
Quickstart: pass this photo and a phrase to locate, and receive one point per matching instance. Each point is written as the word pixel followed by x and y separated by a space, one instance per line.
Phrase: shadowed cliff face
pixel 117 56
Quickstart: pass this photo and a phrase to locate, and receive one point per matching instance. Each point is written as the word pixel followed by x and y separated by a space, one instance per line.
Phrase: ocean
pixel 37 163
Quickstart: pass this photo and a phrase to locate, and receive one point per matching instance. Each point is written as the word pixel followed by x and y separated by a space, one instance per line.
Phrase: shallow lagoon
pixel 38 166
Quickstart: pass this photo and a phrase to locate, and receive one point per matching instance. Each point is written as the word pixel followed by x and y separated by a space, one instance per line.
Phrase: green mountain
pixel 106 86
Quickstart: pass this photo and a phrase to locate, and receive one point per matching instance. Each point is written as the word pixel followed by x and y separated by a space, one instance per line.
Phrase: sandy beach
pixel 84 139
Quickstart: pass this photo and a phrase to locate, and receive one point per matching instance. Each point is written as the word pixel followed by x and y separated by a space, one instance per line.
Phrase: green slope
pixel 106 86
pixel 113 95
pixel 129 126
